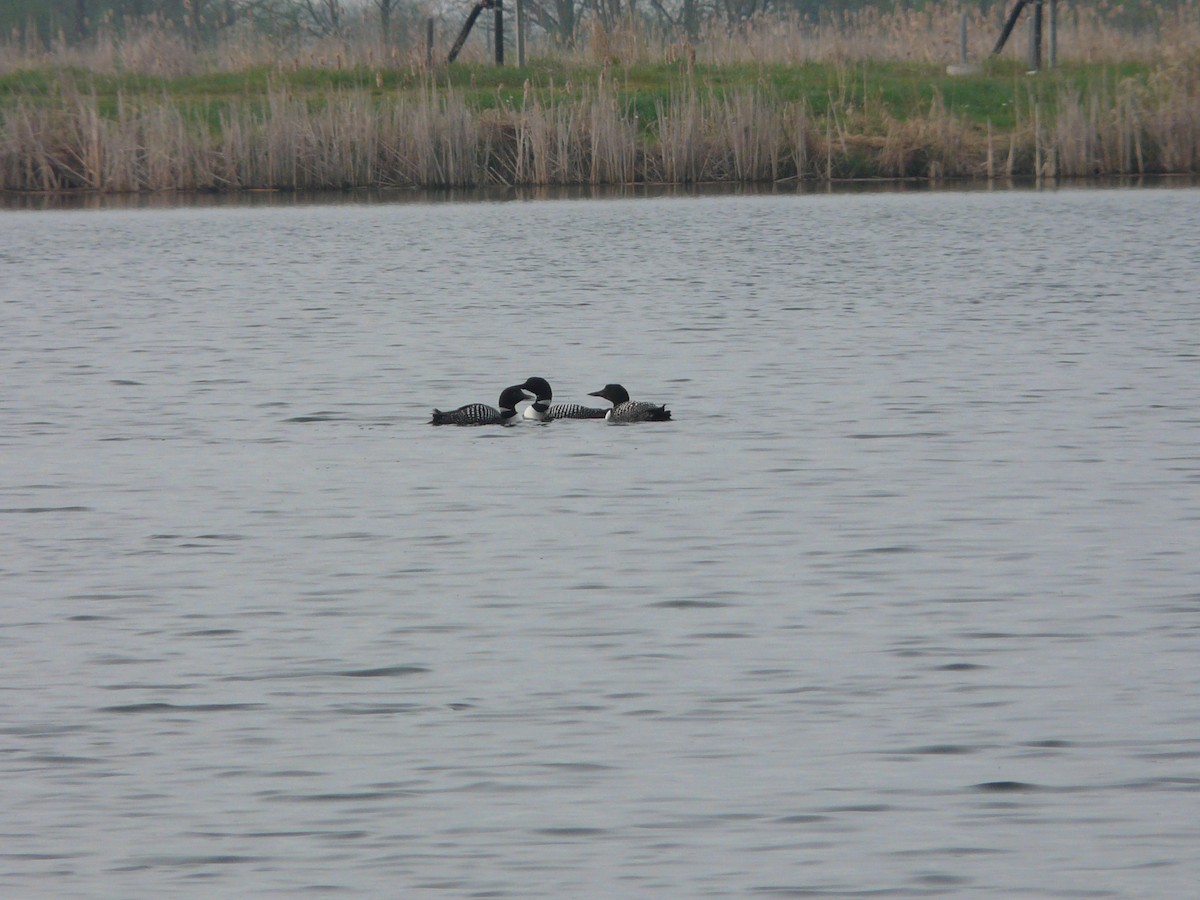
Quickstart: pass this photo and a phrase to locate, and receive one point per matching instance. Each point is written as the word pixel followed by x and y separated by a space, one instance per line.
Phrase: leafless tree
pixel 325 16
pixel 559 18
pixel 686 17
pixel 385 7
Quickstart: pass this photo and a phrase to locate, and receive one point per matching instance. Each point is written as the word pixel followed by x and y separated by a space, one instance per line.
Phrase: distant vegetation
pixel 278 94
pixel 400 23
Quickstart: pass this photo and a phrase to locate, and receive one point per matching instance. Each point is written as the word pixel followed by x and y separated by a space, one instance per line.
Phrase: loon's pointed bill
pixel 626 411
pixel 481 413
pixel 541 410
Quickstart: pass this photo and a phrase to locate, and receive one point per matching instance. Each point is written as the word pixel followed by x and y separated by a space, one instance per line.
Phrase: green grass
pixel 901 90
pixel 890 118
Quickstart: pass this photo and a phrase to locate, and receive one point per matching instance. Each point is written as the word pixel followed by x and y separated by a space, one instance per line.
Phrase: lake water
pixel 904 602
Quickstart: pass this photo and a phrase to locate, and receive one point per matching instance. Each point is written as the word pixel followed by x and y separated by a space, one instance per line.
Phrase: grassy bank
pixel 784 102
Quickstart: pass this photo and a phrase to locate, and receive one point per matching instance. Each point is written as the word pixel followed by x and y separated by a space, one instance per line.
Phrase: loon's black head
pixel 539 386
pixel 511 396
pixel 614 393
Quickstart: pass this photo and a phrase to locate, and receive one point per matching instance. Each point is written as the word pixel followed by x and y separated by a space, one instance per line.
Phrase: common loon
pixel 625 410
pixel 481 413
pixel 541 410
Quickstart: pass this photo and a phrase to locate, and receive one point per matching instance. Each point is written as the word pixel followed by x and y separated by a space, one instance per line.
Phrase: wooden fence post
pixel 1035 37
pixel 520 33
pixel 1053 37
pixel 499 32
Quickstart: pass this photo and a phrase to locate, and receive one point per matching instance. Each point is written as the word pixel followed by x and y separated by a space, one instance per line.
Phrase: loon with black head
pixel 541 410
pixel 481 413
pixel 626 411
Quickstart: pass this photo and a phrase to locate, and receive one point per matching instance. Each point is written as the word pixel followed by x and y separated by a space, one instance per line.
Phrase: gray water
pixel 904 602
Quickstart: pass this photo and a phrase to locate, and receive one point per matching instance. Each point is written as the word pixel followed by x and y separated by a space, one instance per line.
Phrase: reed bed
pixel 774 99
pixel 594 134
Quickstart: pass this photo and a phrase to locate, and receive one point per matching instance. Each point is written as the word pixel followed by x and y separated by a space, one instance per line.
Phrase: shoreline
pixel 16 201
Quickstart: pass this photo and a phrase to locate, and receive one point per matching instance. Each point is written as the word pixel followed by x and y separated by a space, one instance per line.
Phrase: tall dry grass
pixel 433 139
pixel 1125 128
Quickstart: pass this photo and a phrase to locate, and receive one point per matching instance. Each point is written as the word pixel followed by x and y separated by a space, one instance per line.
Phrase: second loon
pixel 626 411
pixel 481 413
pixel 541 410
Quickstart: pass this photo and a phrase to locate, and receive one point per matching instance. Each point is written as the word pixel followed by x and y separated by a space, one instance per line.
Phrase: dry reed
pixel 434 139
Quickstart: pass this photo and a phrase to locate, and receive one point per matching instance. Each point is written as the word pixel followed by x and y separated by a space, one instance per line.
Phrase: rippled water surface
pixel 905 601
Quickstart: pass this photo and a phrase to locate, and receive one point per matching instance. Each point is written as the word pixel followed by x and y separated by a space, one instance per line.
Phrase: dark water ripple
pixel 903 603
